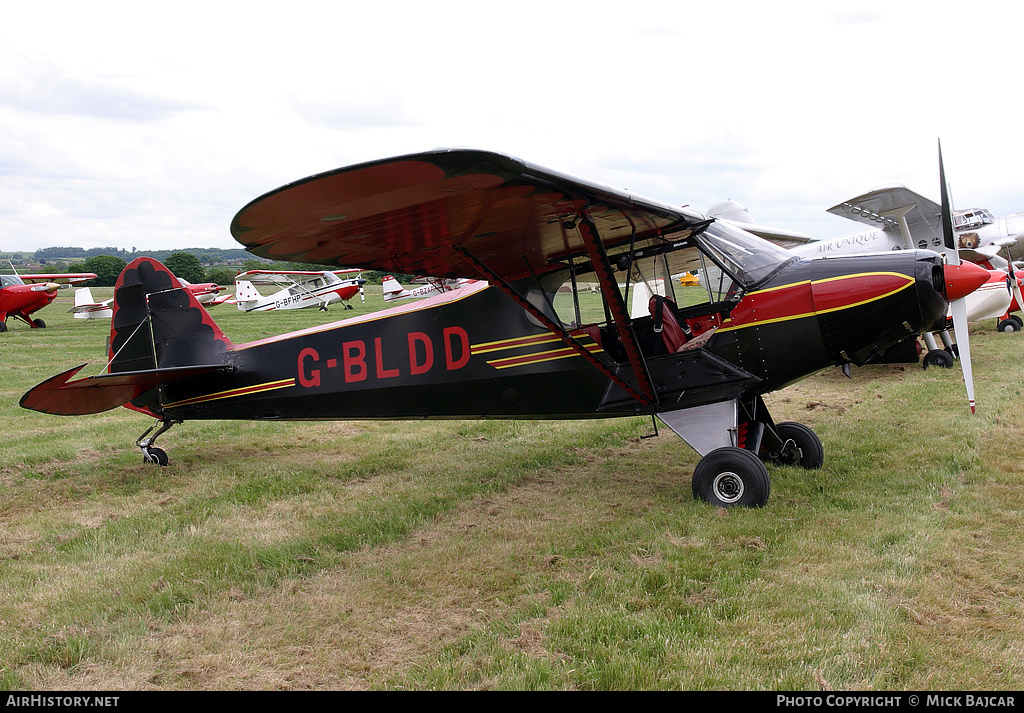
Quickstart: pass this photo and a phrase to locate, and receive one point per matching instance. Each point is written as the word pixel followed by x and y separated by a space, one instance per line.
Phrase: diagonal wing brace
pixel 643 392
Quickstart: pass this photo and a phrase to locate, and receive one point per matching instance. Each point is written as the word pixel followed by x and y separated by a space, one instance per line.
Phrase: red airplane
pixel 208 293
pixel 498 347
pixel 21 295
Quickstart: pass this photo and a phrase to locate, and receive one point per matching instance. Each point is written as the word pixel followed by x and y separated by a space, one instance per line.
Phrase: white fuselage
pixel 318 290
pixel 989 301
pixel 1007 232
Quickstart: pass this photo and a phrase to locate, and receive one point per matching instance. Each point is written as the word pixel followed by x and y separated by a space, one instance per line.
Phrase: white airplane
pixel 901 219
pixel 430 286
pixel 86 307
pixel 298 289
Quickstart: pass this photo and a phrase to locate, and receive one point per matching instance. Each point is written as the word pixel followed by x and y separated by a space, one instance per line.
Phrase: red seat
pixel 663 311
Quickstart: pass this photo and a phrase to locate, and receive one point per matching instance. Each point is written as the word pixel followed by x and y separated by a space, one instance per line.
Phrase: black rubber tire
pixel 729 477
pixel 812 452
pixel 938 357
pixel 155 455
pixel 1011 324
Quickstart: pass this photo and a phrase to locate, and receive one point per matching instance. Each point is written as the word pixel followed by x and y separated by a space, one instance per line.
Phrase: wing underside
pixel 441 213
pixel 897 209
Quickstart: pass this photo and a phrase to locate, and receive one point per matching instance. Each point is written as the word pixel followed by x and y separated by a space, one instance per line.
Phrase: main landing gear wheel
pixel 40 324
pixel 3 327
pixel 731 476
pixel 801 446
pixel 938 357
pixel 1013 323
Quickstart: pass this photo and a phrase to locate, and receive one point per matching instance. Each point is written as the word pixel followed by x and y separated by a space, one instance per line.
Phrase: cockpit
pixel 971 218
pixel 694 282
pixel 10 280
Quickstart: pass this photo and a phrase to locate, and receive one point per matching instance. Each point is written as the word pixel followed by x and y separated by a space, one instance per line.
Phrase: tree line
pixel 188 266
pixel 206 256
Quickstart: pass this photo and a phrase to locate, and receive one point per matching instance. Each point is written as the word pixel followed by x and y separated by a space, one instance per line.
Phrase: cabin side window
pixel 673 305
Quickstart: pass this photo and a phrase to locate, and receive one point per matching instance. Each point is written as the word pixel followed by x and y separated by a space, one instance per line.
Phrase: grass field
pixel 510 555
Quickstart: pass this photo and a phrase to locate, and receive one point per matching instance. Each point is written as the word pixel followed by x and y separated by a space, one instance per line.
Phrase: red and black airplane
pixel 23 295
pixel 501 347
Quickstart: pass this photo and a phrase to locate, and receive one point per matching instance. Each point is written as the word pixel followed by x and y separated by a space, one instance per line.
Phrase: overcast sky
pixel 149 125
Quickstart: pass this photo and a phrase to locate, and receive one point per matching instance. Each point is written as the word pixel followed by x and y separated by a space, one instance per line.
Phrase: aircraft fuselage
pixel 475 353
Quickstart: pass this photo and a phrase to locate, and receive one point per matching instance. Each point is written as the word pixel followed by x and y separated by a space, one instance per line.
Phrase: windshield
pixel 746 257
pixel 9 280
pixel 974 218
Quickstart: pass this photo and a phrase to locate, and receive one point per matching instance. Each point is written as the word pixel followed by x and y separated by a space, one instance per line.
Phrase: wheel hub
pixel 728 487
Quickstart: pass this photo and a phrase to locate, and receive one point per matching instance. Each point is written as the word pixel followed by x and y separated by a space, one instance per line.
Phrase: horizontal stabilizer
pixel 95 394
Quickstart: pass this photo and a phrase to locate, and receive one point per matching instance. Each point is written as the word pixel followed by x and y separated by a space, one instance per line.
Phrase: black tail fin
pixel 159 333
pixel 158 323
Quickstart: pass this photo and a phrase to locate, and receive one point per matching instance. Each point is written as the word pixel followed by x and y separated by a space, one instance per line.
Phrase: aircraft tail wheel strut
pixel 150 453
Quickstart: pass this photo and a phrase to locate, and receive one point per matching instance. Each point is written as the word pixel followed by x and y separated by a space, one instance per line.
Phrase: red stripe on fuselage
pixel 813 297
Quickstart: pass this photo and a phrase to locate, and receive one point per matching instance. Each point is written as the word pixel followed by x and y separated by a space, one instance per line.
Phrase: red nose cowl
pixel 963 279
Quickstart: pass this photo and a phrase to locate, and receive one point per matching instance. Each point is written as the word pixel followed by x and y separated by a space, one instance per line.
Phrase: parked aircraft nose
pixel 963 279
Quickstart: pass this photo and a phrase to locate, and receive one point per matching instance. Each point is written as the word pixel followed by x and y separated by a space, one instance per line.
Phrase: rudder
pixel 159 324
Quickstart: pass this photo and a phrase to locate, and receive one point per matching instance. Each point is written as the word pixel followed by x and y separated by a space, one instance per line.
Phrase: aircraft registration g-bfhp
pixel 700 361
pixel 296 289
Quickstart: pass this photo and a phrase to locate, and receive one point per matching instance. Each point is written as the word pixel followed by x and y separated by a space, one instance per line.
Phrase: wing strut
pixel 557 329
pixel 620 315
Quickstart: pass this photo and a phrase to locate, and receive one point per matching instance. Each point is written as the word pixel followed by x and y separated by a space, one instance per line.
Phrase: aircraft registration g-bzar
pixel 498 348
pixel 23 295
pixel 393 290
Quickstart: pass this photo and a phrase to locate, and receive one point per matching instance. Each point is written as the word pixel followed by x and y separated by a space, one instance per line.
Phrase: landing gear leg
pixel 150 453
pixel 736 439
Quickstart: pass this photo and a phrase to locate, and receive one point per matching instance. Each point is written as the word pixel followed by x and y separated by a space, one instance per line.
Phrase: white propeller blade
pixel 957 307
pixel 1014 287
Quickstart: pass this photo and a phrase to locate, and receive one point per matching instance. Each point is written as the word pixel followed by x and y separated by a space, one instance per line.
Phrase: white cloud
pixel 132 124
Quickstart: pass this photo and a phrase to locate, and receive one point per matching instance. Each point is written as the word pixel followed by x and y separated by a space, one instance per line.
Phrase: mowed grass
pixel 509 555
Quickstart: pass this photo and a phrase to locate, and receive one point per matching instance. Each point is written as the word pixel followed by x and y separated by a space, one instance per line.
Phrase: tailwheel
pixel 731 476
pixel 800 446
pixel 150 453
pixel 156 455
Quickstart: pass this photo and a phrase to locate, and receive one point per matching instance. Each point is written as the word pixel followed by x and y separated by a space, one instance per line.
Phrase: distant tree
pixel 252 264
pixel 221 275
pixel 106 267
pixel 59 252
pixel 186 265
